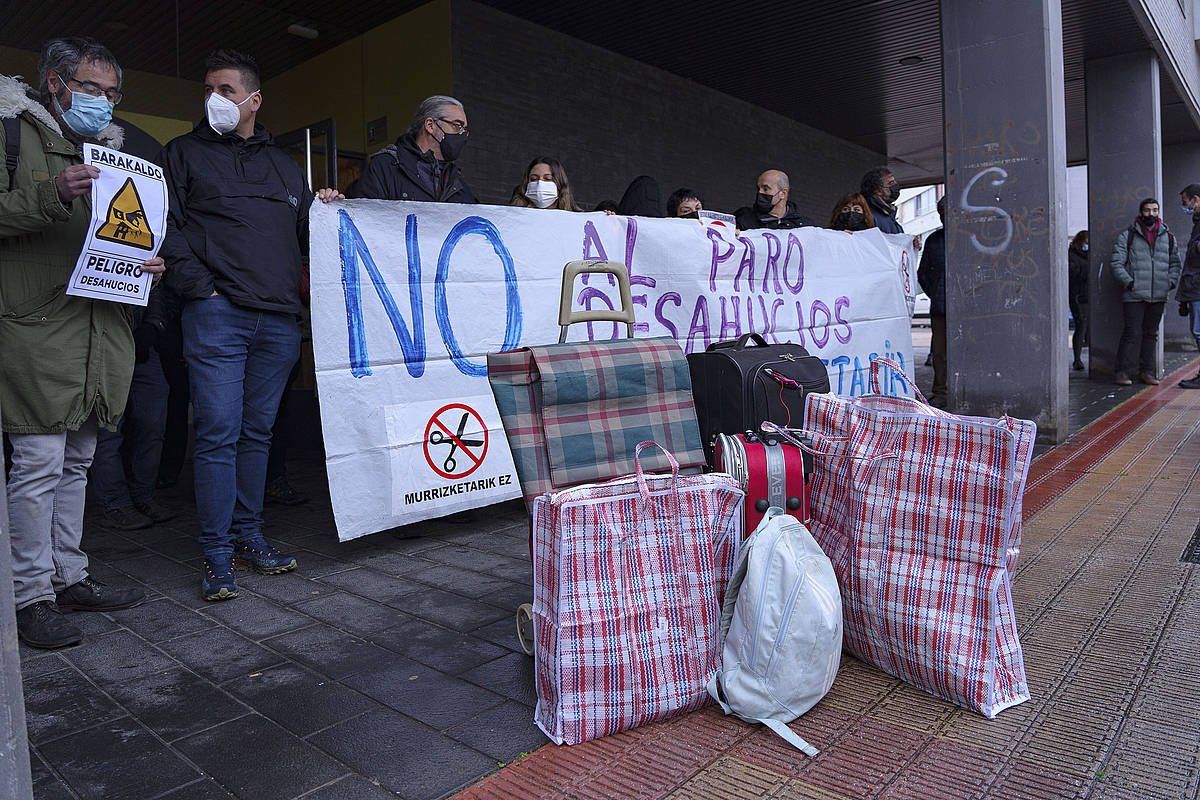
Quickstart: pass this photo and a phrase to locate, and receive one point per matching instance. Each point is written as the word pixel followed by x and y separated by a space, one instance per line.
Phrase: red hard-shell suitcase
pixel 769 471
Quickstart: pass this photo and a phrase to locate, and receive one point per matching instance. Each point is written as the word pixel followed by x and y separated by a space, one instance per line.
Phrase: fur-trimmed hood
pixel 16 97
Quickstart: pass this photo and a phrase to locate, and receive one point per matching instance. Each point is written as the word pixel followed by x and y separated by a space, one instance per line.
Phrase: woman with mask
pixel 1077 294
pixel 545 186
pixel 851 213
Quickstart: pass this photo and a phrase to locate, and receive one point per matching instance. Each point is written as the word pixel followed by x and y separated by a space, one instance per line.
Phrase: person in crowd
pixel 1145 263
pixel 772 208
pixel 545 185
pixel 1077 294
pixel 684 203
pixel 237 232
pixel 423 162
pixel 65 362
pixel 1188 295
pixel 641 199
pixel 931 274
pixel 881 191
pixel 851 213
pixel 607 206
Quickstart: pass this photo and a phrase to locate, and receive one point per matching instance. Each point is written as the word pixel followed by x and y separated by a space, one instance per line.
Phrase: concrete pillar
pixel 15 778
pixel 1181 166
pixel 1006 297
pixel 1124 129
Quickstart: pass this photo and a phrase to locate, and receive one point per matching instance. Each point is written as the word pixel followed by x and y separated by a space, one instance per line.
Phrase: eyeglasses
pixel 93 90
pixel 459 125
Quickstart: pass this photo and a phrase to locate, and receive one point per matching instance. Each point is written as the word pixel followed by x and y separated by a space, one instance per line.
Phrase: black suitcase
pixel 738 385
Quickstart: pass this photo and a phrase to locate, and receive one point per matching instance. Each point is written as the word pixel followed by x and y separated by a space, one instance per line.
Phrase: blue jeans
pixel 1195 320
pixel 138 438
pixel 238 362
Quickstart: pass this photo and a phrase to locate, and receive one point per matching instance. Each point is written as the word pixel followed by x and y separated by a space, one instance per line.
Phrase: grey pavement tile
pixel 255 758
pixel 93 623
pixel 403 755
pixel 457 580
pixel 185 591
pixel 393 563
pixel 354 787
pixel 328 650
pixel 46 785
pixel 298 699
pixel 482 561
pixel 452 610
pixel 35 663
pixel 177 547
pixel 221 655
pixel 510 675
pixel 204 789
pixel 155 569
pixel 503 732
pixel 512 595
pixel 432 697
pixel 162 619
pixel 177 703
pixel 111 548
pixel 352 613
pixel 441 648
pixel 287 589
pixel 502 632
pixel 314 564
pixel 377 586
pixel 255 617
pixel 62 702
pixel 513 547
pixel 415 541
pixel 117 657
pixel 119 760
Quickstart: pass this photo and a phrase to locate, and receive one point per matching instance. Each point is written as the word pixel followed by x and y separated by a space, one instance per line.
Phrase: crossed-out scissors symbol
pixel 439 438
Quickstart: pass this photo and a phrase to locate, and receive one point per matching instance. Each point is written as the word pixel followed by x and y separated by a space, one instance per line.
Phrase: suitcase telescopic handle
pixel 740 343
pixel 568 317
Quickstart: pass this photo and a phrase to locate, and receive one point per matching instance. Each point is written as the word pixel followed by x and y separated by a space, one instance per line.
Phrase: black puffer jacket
pixel 1189 279
pixel 238 221
pixel 401 172
pixel 1077 275
pixel 748 219
pixel 931 275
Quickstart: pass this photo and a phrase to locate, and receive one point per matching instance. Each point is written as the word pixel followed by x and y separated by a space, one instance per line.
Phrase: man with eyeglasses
pixel 65 362
pixel 422 164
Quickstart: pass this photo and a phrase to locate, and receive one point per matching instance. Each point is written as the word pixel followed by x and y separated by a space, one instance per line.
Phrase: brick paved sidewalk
pixel 1110 623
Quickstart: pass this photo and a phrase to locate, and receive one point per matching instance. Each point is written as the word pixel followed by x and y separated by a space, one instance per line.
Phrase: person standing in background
pixel 1077 294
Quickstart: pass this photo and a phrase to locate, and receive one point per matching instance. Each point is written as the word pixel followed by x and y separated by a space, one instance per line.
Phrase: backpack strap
pixel 12 147
pixel 781 730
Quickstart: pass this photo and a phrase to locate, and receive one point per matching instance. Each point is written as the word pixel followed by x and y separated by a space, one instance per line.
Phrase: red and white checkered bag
pixel 920 512
pixel 628 581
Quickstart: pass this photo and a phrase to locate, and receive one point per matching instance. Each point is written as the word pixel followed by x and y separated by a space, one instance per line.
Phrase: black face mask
pixel 1147 221
pixel 692 215
pixel 763 203
pixel 850 221
pixel 893 193
pixel 452 145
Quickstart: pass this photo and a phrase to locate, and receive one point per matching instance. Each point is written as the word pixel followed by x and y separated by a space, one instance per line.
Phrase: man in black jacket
pixel 422 164
pixel 772 209
pixel 1188 293
pixel 880 189
pixel 237 233
pixel 932 277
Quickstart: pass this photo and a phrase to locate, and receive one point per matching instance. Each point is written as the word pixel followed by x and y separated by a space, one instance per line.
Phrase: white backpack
pixel 782 628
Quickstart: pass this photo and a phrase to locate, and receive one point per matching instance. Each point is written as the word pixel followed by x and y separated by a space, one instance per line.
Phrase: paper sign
pixel 718 219
pixel 129 218
pixel 408 299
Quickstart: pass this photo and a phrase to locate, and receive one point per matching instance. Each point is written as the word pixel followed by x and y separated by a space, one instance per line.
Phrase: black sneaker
pixel 281 492
pixel 1191 383
pixel 125 519
pixel 92 595
pixel 156 512
pixel 43 626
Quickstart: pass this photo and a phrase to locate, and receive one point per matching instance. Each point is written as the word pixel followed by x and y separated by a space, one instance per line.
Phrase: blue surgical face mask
pixel 1186 209
pixel 87 115
pixel 1084 248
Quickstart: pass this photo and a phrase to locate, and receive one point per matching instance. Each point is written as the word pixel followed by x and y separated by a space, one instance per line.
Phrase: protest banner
pixel 129 219
pixel 408 298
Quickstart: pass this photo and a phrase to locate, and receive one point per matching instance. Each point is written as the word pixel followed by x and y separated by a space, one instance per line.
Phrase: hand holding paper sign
pixel 75 181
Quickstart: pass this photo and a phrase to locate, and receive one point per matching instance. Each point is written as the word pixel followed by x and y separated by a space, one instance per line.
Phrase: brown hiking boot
pixel 1148 379
pixel 1121 379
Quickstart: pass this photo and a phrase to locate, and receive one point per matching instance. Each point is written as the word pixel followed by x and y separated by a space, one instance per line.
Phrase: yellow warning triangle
pixel 126 222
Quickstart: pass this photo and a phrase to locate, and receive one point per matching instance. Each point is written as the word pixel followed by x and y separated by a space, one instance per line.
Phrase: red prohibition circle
pixel 450 447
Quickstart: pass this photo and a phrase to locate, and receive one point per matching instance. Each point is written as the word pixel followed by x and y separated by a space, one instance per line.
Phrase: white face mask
pixel 542 193
pixel 223 114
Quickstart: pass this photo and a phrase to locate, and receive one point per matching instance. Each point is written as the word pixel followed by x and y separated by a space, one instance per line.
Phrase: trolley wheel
pixel 525 627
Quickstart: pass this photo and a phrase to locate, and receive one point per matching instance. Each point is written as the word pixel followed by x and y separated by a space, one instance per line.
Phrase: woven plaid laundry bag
pixel 574 412
pixel 920 512
pixel 629 579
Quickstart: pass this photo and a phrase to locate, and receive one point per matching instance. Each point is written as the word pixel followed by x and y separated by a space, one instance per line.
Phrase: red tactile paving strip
pixel 1109 620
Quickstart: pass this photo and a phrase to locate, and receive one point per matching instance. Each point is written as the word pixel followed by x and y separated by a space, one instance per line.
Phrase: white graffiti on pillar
pixel 968 208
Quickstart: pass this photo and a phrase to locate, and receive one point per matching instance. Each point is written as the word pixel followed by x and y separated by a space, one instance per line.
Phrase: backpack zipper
pixel 788 608
pixel 762 598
